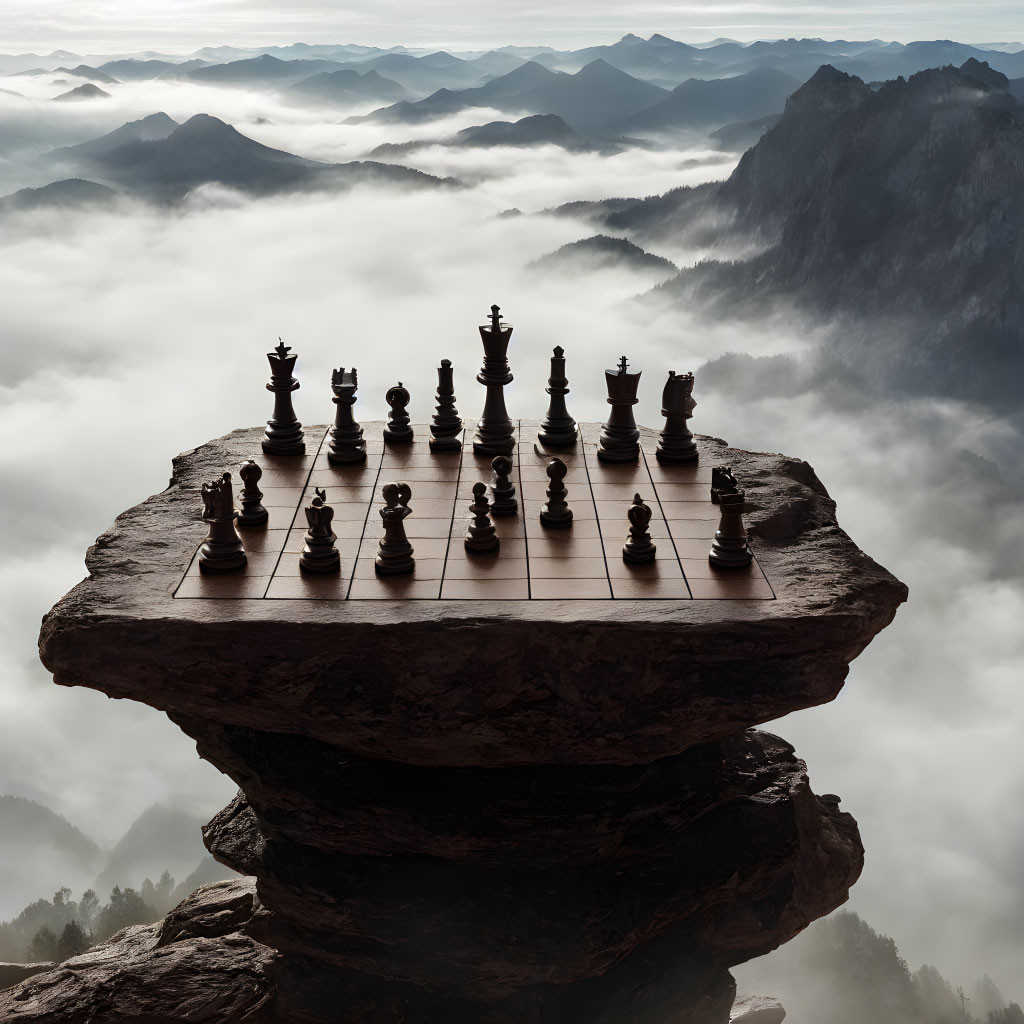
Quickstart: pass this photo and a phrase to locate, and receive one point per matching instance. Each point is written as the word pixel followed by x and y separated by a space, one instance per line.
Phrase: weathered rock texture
pixel 503 812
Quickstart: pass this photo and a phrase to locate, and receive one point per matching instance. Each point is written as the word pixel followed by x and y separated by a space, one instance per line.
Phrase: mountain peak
pixel 828 89
pixel 203 126
pixel 980 71
pixel 601 70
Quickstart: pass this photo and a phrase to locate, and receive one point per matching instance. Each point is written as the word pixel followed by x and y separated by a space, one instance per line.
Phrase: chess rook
pixel 722 482
pixel 638 547
pixel 253 513
pixel 398 430
pixel 283 435
pixel 558 428
pixel 620 439
pixel 503 490
pixel 222 551
pixel 494 430
pixel 556 512
pixel 730 550
pixel 675 443
pixel 394 552
pixel 480 534
pixel 347 445
pixel 446 425
pixel 319 555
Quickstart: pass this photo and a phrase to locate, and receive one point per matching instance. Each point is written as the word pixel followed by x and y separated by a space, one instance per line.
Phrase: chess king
pixel 283 435
pixel 620 439
pixel 494 434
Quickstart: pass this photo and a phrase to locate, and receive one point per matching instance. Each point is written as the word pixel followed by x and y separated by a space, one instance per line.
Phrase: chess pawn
pixel 620 439
pixel 558 428
pixel 283 435
pixel 480 535
pixel 556 511
pixel 394 552
pixel 722 482
pixel 675 443
pixel 730 549
pixel 638 547
pixel 253 513
pixel 347 445
pixel 222 551
pixel 319 555
pixel 398 430
pixel 494 430
pixel 503 490
pixel 446 425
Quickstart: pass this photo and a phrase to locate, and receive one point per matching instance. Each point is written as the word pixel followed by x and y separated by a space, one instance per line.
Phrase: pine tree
pixel 43 947
pixel 72 941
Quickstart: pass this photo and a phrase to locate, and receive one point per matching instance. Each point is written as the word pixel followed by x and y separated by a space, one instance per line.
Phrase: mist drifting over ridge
pixel 164 315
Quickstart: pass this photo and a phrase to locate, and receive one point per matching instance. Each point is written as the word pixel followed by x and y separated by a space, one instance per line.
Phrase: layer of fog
pixel 137 335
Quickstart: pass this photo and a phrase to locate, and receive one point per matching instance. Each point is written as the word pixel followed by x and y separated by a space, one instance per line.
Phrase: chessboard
pixel 582 562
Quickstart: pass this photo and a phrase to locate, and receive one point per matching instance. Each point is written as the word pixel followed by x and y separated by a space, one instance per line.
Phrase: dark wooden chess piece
pixel 394 552
pixel 675 444
pixel 319 555
pixel 398 430
pixel 730 549
pixel 253 513
pixel 446 425
pixel 558 428
pixel 620 439
pixel 480 534
pixel 494 430
pixel 722 482
pixel 638 547
pixel 283 435
pixel 556 511
pixel 222 551
pixel 347 445
pixel 504 491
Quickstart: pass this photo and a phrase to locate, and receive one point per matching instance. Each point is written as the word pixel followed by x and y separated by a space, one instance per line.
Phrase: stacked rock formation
pixel 498 812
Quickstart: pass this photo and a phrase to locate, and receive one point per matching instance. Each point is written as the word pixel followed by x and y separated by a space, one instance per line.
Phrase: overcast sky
pixel 184 25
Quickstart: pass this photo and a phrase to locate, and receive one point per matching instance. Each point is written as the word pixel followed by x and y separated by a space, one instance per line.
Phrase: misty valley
pixel 828 234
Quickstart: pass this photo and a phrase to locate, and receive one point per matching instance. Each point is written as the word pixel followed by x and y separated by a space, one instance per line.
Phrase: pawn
pixel 394 552
pixel 398 430
pixel 253 513
pixel 504 491
pixel 722 482
pixel 446 425
pixel 556 511
pixel 638 547
pixel 730 549
pixel 480 535
pixel 222 551
pixel 319 555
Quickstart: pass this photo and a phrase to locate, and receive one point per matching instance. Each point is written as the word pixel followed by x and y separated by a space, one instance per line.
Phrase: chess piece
pixel 253 513
pixel 675 443
pixel 494 430
pixel 722 482
pixel 558 428
pixel 394 552
pixel 504 491
pixel 730 549
pixel 398 430
pixel 480 534
pixel 319 555
pixel 283 435
pixel 347 445
pixel 556 511
pixel 619 436
pixel 446 425
pixel 222 551
pixel 638 547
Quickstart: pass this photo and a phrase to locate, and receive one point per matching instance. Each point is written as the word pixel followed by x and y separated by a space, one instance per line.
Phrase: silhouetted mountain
pixel 591 101
pixel 535 130
pixel 895 209
pixel 261 71
pixel 148 129
pixel 924 54
pixel 136 70
pixel 602 252
pixel 40 851
pixel 421 76
pixel 696 103
pixel 741 136
pixel 67 194
pixel 349 87
pixel 205 149
pixel 84 71
pixel 83 92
